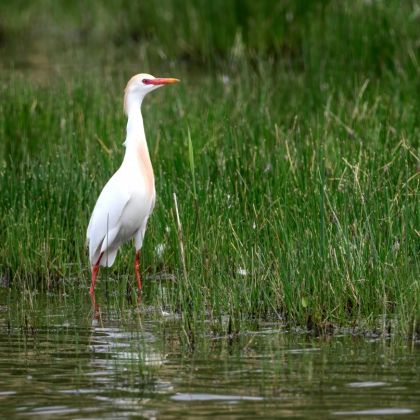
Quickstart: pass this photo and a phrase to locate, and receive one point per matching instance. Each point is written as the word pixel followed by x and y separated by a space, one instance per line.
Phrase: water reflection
pixel 376 412
pixel 212 397
pixel 123 365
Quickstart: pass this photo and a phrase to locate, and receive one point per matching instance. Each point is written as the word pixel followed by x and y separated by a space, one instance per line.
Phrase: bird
pixel 128 198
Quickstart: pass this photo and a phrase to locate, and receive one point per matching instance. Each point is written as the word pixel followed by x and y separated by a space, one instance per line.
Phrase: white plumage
pixel 127 200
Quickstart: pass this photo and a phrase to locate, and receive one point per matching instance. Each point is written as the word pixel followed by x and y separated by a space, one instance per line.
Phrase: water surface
pixel 63 363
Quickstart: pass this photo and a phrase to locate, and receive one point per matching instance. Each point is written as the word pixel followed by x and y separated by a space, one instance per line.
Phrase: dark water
pixel 63 363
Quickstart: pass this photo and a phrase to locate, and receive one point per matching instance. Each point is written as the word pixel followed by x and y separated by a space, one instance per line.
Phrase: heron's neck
pixel 137 152
pixel 135 129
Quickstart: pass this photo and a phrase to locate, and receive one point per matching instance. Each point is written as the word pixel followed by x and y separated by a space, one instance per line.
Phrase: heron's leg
pixel 95 270
pixel 137 268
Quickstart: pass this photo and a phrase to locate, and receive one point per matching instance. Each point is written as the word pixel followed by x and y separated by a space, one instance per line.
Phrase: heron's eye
pixel 146 81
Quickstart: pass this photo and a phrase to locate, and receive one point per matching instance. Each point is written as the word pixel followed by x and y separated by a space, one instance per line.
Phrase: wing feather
pixel 106 215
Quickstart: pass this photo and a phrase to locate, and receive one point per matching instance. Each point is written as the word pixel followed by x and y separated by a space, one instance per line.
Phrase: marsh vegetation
pixel 292 146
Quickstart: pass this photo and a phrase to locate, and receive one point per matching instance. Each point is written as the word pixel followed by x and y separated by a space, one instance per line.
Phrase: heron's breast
pixel 146 170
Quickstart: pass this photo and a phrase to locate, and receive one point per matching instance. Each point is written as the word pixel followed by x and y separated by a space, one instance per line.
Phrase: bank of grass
pixel 297 194
pixel 298 209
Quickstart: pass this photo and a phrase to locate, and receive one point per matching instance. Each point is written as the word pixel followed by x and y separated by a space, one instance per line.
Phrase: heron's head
pixel 140 85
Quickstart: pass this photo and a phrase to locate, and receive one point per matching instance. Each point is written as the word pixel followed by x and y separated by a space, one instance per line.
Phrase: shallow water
pixel 64 363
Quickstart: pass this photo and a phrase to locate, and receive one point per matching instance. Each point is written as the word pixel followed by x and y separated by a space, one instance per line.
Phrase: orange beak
pixel 160 81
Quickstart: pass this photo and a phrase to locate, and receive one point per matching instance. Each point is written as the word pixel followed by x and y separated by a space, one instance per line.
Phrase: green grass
pixel 294 159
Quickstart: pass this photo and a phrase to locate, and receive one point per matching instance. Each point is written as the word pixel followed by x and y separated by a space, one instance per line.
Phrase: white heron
pixel 127 200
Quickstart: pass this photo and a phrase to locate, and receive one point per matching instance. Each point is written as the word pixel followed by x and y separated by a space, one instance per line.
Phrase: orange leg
pixel 137 268
pixel 95 270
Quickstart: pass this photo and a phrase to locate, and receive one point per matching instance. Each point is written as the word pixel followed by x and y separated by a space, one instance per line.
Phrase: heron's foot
pixel 96 312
